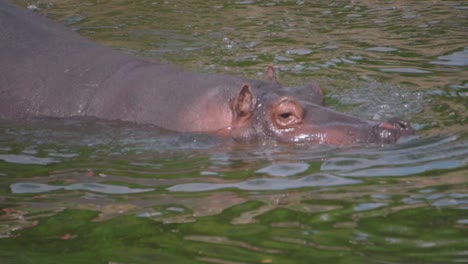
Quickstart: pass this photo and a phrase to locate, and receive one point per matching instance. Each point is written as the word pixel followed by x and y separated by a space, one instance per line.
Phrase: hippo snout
pixel 391 130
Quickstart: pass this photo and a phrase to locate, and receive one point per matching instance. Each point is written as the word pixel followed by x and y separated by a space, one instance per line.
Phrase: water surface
pixel 82 190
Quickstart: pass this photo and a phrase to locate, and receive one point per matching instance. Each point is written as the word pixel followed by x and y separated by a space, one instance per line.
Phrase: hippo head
pixel 297 114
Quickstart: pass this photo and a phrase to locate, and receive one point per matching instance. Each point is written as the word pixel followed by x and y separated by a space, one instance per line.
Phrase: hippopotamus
pixel 48 70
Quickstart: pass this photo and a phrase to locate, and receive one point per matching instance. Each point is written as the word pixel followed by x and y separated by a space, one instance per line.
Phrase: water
pixel 82 190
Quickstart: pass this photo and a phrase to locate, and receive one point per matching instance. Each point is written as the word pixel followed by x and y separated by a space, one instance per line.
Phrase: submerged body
pixel 48 70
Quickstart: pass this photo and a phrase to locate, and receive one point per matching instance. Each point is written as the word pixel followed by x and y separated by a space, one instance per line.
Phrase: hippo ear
pixel 270 74
pixel 244 104
pixel 317 92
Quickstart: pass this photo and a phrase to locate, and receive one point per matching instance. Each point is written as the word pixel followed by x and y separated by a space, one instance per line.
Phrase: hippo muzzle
pixel 391 131
pixel 346 134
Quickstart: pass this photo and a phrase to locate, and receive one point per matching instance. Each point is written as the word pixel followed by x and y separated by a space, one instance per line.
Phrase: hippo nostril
pixel 392 130
pixel 401 125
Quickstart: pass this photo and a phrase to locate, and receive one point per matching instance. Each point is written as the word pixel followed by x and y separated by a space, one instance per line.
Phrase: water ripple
pixel 27 159
pixel 405 70
pixel 405 160
pixel 264 184
pixel 284 169
pixel 31 187
pixel 459 58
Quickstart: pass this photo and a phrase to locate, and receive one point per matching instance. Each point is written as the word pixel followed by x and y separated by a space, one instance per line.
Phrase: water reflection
pixel 455 59
pixel 300 194
pixel 31 187
pixel 266 184
pixel 435 153
pixel 143 193
pixel 176 161
pixel 27 159
pixel 284 169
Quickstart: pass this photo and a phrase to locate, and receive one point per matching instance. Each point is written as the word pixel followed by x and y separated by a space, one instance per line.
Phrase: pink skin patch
pixel 386 126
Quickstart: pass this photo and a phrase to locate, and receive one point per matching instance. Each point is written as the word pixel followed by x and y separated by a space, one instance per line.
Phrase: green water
pixel 83 190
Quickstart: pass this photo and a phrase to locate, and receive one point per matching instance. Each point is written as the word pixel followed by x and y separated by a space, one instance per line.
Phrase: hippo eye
pixel 287 113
